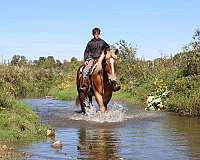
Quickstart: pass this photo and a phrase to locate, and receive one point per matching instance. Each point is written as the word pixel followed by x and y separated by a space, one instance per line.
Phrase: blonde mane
pixel 113 55
pixel 98 66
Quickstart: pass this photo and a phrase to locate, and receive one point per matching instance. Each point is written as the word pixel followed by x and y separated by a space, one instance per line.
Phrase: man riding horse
pixel 97 76
pixel 92 52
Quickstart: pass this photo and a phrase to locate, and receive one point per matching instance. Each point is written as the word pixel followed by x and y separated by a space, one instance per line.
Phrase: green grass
pixel 137 95
pixel 124 96
pixel 68 93
pixel 19 124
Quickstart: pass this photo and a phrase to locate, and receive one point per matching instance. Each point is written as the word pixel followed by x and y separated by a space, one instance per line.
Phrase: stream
pixel 123 132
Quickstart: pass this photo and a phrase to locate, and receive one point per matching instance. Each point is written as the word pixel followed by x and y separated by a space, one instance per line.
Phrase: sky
pixel 62 28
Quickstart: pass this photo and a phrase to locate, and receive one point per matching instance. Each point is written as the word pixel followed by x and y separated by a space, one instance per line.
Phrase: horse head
pixel 108 63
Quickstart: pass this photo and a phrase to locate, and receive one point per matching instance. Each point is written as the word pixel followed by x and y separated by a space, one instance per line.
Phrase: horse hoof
pixel 88 107
pixel 83 112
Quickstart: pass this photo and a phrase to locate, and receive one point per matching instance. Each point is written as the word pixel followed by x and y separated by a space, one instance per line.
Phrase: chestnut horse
pixel 102 81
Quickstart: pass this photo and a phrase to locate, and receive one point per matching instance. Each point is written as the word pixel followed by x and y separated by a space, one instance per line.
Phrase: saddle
pixel 91 70
pixel 90 91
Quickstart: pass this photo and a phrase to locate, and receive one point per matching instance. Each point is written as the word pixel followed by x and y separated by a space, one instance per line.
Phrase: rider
pixel 92 52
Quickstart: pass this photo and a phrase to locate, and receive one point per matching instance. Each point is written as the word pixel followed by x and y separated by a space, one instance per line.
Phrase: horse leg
pixel 106 98
pixel 99 100
pixel 82 100
pixel 90 100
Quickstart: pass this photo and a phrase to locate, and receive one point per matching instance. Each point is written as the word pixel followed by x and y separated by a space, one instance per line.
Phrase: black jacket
pixel 94 48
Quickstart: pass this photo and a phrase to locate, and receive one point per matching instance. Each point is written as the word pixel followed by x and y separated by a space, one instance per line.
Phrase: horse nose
pixel 112 81
pixel 116 86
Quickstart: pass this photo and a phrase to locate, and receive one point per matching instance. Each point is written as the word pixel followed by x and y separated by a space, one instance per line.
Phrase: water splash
pixel 115 113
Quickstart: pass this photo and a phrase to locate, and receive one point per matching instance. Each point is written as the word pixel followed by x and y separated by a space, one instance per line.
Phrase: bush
pixel 27 81
pixel 179 75
pixel 185 104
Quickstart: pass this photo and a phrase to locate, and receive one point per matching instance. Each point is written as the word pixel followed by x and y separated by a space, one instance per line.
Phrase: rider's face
pixel 96 35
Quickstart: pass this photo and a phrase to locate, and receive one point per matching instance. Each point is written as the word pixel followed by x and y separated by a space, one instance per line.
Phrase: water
pixel 124 132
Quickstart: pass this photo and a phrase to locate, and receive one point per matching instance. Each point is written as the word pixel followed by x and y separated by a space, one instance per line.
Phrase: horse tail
pixel 77 102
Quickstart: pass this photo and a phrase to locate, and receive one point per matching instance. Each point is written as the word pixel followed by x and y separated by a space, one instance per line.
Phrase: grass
pixel 125 97
pixel 19 124
pixel 68 93
pixel 136 96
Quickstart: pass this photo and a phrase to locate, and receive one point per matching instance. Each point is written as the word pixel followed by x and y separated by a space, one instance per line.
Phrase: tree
pixel 66 66
pixel 195 44
pixel 15 60
pixel 127 68
pixel 50 63
pixel 18 60
pixel 74 63
pixel 58 63
pixel 126 51
pixel 23 61
pixel 196 38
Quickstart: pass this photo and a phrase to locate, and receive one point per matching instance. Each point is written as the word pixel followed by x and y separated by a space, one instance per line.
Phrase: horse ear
pixel 117 51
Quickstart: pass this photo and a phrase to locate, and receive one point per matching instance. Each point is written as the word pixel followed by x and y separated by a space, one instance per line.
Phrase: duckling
pixel 50 132
pixel 57 144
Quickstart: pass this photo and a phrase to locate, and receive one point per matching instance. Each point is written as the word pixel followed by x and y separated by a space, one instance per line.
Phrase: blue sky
pixel 62 28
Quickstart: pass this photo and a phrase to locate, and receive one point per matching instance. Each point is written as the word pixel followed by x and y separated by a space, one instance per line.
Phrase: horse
pixel 103 81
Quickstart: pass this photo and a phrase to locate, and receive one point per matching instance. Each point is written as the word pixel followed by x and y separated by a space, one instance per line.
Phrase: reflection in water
pixel 186 132
pixel 98 144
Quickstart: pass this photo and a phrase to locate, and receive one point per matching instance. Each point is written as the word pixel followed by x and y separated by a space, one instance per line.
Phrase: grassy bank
pixel 64 91
pixel 19 124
